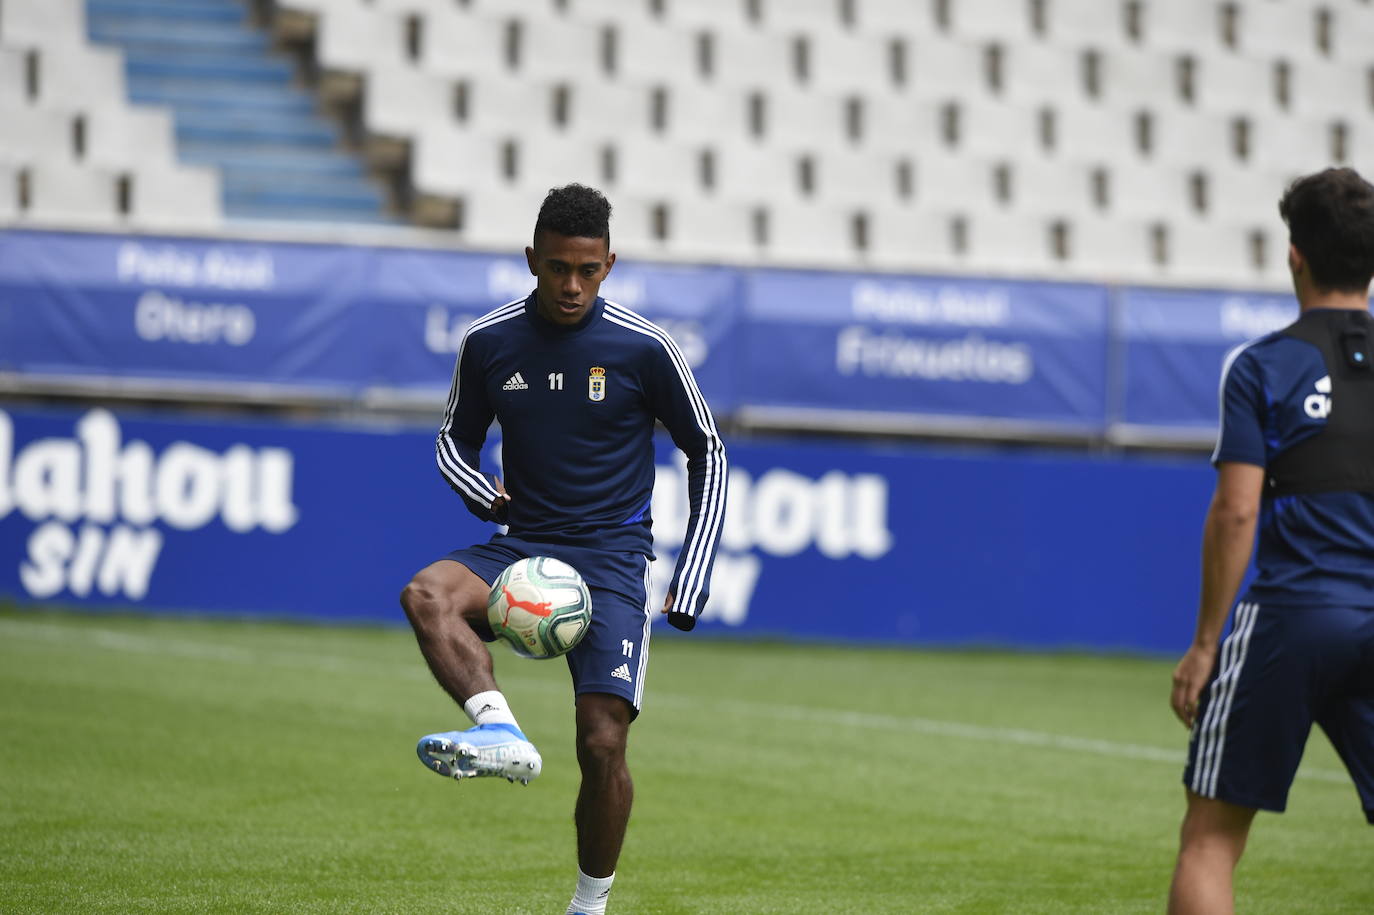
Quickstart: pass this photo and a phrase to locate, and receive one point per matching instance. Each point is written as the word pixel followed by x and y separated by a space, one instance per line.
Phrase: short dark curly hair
pixel 1330 217
pixel 575 210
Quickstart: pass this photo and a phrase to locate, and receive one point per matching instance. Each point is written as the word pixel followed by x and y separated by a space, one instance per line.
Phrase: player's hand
pixel 1190 676
pixel 500 506
pixel 683 621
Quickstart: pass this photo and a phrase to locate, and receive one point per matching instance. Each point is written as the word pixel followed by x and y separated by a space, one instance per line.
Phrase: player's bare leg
pixel 604 800
pixel 1210 845
pixel 446 604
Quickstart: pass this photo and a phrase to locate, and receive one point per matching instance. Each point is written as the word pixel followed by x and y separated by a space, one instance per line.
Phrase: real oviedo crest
pixel 596 384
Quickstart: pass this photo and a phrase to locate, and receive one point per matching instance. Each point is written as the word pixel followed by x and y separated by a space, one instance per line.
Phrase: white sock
pixel 489 708
pixel 590 897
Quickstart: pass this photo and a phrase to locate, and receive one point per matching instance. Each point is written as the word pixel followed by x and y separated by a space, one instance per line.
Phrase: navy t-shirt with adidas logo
pixel 1314 549
pixel 577 406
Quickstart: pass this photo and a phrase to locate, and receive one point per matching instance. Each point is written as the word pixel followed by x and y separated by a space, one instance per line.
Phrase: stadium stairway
pixel 237 107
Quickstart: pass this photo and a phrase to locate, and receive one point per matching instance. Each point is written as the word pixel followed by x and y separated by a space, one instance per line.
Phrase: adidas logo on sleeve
pixel 515 382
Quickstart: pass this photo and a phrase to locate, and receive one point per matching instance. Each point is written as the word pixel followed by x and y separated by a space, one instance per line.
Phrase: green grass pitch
pixel 171 765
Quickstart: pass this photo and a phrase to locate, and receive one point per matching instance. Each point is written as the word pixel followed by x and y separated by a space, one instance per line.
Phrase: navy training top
pixel 1315 549
pixel 577 406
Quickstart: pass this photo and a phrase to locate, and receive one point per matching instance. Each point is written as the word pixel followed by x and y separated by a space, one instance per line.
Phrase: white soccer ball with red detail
pixel 541 606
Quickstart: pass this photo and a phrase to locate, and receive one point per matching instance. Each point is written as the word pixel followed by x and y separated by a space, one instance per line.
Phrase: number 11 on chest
pixel 555 381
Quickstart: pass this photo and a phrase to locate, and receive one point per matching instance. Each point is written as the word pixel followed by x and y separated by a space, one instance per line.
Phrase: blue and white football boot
pixel 487 749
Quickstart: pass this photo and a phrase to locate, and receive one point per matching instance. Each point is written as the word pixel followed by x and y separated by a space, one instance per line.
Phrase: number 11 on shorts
pixel 627 648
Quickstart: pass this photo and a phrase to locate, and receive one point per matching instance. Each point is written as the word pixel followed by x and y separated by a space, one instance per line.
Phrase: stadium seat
pixel 558 49
pixel 815 17
pixel 124 139
pixel 184 198
pixel 843 62
pixel 14 79
pixel 500 218
pixel 794 118
pixel 29 134
pixel 79 74
pixel 1330 88
pixel 903 123
pixel 1047 186
pixel 1007 242
pixel 39 23
pixel 727 110
pixel 354 38
pixel 647 165
pixel 631 13
pixel 596 108
pixel 9 192
pixel 1029 72
pixel 447 161
pixel 909 239
pixel 496 102
pixel 810 234
pixel 1352 33
pixel 554 160
pixel 1150 192
pixel 1220 254
pixel 724 15
pixel 1192 137
pixel 991 19
pixel 1291 143
pixel 1245 195
pixel 863 177
pixel 710 230
pixel 1111 249
pixel 1268 29
pixel 1133 77
pixel 1227 83
pixel 400 101
pixel 991 127
pixel 894 17
pixel 955 182
pixel 1182 25
pixel 752 173
pixel 941 67
pixel 456 44
pixel 752 59
pixel 651 52
pixel 1076 23
pixel 71 195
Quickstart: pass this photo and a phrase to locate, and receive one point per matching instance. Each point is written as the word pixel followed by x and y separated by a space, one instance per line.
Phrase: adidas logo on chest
pixel 515 382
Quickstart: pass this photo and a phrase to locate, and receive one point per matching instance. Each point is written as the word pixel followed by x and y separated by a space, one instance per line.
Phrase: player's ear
pixel 610 261
pixel 1295 260
pixel 531 261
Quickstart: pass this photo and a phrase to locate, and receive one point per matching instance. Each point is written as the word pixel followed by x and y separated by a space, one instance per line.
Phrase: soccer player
pixel 577 384
pixel 1295 458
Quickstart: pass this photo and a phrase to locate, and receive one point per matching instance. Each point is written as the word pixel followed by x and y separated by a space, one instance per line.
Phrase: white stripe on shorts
pixel 1211 730
pixel 644 645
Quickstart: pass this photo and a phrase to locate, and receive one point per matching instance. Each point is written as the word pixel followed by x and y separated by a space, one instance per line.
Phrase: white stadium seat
pixel 654 53
pixel 983 19
pixel 990 127
pixel 726 110
pixel 902 123
pixel 554 49
pixel 39 23
pixel 715 230
pixel 9 192
pixel 938 66
pixel 447 161
pixel 456 43
pixel 130 138
pixel 843 62
pixel 66 194
pixel 795 118
pixel 1328 88
pixel 1192 137
pixel 648 165
pixel 1297 144
pixel 400 101
pixel 752 59
pixel 1182 25
pixel 79 74
pixel 723 15
pixel 1277 28
pixel 14 64
pixel 1074 23
pixel 555 160
pixel 496 102
pixel 946 181
pixel 1007 242
pixel 1228 83
pixel 1037 72
pixel 812 16
pixel 1132 77
pixel 29 134
pixel 1246 195
pixel 182 198
pixel 751 173
pixel 1148 191
pixel 894 17
pixel 1050 186
pixel 864 177
pixel 355 38
pixel 909 238
pixel 1111 249
pixel 809 234
pixel 499 217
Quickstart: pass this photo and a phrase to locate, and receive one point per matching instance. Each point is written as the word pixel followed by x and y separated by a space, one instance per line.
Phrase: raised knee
pixel 420 602
pixel 603 746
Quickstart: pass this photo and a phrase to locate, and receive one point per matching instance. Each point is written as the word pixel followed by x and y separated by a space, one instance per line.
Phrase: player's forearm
pixel 1227 541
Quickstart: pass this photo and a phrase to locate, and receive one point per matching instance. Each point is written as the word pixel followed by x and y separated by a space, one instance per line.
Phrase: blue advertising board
pixel 821 541
pixel 1173 343
pixel 336 321
pixel 1029 352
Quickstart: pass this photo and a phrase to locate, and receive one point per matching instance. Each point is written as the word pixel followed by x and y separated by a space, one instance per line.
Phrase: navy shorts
pixel 1279 670
pixel 613 656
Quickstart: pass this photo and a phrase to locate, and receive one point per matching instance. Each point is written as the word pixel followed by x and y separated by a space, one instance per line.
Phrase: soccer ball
pixel 541 606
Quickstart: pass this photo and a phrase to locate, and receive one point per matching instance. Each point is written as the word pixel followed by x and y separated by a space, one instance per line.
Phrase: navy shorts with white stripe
pixel 1281 669
pixel 614 655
